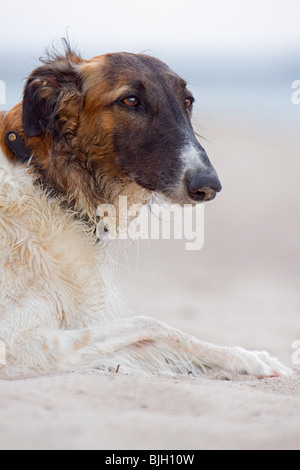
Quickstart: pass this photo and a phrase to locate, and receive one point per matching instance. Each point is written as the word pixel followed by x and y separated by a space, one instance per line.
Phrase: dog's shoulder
pixel 42 246
pixel 24 208
pixel 12 177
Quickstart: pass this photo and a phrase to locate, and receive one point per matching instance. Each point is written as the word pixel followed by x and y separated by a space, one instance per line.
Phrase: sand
pixel 241 289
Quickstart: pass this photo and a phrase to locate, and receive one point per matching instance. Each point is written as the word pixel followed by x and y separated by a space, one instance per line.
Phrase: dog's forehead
pixel 124 67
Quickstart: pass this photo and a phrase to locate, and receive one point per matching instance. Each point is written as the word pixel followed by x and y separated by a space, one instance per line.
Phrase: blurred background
pixel 240 60
pixel 234 54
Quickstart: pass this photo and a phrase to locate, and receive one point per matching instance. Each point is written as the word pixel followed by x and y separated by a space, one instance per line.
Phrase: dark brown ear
pixel 51 89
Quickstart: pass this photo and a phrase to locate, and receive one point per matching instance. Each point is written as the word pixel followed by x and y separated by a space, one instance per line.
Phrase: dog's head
pixel 123 115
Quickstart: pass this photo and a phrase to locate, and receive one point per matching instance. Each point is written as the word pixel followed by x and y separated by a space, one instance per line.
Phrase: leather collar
pixel 16 144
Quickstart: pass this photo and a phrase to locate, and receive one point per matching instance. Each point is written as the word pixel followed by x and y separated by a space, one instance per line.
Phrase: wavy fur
pixel 57 307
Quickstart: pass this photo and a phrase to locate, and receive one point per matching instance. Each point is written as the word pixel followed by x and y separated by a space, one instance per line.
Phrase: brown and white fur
pixel 119 124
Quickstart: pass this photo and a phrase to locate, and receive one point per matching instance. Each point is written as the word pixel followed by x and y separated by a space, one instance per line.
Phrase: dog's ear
pixel 52 95
pixel 36 106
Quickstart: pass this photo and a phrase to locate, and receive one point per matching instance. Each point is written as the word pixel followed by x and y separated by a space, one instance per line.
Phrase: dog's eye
pixel 189 102
pixel 131 101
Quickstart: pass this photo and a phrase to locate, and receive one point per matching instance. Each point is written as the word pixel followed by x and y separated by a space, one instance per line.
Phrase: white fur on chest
pixel 48 261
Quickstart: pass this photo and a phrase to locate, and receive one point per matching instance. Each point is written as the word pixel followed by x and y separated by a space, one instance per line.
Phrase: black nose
pixel 203 187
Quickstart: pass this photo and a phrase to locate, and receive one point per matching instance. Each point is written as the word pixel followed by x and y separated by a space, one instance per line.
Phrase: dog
pixel 86 133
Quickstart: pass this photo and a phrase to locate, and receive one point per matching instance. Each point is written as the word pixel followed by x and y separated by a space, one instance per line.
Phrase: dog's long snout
pixel 203 187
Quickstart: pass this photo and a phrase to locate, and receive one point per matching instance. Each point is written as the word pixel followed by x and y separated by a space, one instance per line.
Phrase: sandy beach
pixel 242 289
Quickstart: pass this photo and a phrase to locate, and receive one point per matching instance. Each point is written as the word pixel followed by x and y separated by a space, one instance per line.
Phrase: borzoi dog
pixel 86 133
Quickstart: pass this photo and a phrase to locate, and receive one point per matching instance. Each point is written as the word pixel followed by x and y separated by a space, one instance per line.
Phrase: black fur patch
pixel 156 131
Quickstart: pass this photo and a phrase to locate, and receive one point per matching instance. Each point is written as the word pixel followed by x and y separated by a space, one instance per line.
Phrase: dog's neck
pixel 75 188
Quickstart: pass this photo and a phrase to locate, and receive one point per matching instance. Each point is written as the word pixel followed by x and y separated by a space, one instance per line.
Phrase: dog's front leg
pixel 137 345
pixel 162 350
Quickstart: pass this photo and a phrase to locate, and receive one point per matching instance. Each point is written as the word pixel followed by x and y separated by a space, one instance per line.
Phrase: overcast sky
pixel 230 51
pixel 225 26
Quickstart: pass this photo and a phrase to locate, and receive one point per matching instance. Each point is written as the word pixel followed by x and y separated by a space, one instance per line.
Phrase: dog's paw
pixel 259 364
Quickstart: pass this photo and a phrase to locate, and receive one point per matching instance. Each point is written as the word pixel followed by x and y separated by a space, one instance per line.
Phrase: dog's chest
pixel 45 255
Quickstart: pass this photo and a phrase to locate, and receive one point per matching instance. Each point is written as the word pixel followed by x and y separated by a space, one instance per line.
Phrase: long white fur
pixel 55 301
